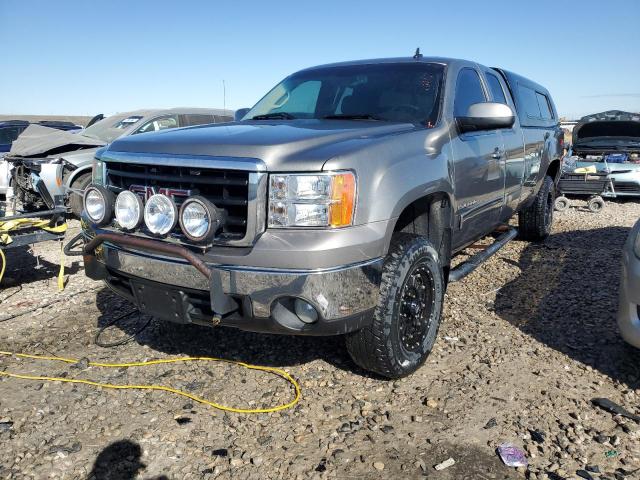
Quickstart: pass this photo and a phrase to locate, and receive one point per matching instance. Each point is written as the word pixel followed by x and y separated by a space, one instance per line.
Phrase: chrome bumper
pixel 344 296
pixel 336 292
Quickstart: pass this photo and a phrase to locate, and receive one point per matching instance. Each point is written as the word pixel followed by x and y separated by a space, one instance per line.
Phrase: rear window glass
pixel 198 119
pixel 529 101
pixel 496 89
pixel 543 103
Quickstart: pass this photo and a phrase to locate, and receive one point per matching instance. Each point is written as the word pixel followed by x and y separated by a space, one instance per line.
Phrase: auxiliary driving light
pixel 160 214
pixel 200 219
pixel 129 210
pixel 98 203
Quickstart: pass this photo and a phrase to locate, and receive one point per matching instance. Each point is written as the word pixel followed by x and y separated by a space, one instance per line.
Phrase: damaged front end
pixel 40 176
pixel 33 179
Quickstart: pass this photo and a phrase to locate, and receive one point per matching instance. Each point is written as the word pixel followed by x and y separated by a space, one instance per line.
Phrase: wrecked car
pixel 608 143
pixel 9 131
pixel 52 167
pixel 333 207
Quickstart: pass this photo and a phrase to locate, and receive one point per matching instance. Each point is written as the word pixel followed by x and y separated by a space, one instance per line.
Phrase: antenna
pixel 417 55
pixel 224 96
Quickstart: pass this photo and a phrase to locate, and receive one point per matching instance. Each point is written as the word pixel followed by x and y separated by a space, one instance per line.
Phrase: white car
pixel 629 309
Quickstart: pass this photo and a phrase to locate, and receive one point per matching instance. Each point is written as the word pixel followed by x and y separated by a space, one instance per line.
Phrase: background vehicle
pixel 609 142
pixel 333 207
pixel 9 131
pixel 629 309
pixel 63 160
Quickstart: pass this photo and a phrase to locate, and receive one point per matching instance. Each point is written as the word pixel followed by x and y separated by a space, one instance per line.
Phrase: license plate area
pixel 167 304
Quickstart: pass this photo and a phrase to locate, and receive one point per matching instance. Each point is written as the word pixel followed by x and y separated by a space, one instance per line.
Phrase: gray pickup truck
pixel 333 207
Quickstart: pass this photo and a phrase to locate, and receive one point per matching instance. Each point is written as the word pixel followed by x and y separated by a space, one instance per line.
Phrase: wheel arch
pixel 75 174
pixel 431 216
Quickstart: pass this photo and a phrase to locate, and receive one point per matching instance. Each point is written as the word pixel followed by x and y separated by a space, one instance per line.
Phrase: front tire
pixel 409 310
pixel 535 221
pixel 76 201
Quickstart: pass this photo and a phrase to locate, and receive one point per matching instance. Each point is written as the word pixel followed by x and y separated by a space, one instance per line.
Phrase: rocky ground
pixel 527 341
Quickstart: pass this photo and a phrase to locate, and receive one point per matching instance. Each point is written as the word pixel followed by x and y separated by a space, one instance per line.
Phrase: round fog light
pixel 98 203
pixel 199 219
pixel 129 210
pixel 160 214
pixel 305 311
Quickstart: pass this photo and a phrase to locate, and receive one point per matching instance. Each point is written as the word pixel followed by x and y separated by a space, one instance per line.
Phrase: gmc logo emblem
pixel 146 191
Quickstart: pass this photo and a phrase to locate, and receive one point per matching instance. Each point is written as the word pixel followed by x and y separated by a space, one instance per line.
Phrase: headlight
pixel 200 219
pixel 98 203
pixel 97 172
pixel 312 200
pixel 160 214
pixel 128 210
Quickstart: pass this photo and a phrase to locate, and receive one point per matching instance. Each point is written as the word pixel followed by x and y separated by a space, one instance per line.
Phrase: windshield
pixel 112 127
pixel 394 92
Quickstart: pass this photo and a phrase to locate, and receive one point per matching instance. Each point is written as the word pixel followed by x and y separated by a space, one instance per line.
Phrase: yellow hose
pixel 4 264
pixel 275 371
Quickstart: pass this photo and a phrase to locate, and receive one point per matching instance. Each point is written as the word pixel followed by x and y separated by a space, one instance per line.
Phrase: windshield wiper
pixel 274 115
pixel 359 116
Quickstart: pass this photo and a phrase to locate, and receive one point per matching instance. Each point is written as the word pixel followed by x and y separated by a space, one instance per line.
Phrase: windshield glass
pixel 394 92
pixel 112 127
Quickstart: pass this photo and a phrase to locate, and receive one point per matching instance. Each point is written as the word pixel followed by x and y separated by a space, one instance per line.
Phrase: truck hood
pixel 295 145
pixel 39 141
pixel 607 131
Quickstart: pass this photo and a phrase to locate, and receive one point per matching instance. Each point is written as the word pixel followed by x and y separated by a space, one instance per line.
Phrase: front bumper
pixel 169 287
pixel 629 303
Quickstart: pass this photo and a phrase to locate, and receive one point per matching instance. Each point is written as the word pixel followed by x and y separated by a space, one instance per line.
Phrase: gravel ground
pixel 527 341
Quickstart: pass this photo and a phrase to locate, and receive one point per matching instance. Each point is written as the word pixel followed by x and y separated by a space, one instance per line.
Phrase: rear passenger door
pixel 513 158
pixel 478 166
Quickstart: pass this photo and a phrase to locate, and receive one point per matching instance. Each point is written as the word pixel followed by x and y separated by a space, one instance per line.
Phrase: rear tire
pixel 562 204
pixel 595 204
pixel 535 221
pixel 76 202
pixel 406 320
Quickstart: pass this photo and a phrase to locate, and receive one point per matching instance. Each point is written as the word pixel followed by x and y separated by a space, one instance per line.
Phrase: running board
pixel 468 266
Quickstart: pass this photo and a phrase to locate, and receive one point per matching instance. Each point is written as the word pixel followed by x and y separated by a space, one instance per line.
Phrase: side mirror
pixel 240 113
pixel 486 116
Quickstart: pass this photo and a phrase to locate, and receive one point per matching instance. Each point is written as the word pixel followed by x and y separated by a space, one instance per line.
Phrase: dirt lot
pixel 527 341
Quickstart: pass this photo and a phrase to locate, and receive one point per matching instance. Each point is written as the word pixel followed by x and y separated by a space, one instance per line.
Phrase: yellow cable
pixel 61 271
pixel 4 264
pixel 276 371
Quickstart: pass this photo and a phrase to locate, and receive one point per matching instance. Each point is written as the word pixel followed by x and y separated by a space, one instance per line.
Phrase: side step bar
pixel 468 266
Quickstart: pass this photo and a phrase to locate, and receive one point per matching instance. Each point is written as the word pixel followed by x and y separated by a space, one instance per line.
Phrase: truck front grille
pixel 226 189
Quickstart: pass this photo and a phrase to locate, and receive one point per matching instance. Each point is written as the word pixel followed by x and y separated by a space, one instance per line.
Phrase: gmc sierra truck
pixel 334 206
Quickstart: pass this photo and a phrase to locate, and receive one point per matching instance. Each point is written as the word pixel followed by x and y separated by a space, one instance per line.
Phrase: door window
pixel 159 124
pixel 496 89
pixel 543 104
pixel 529 101
pixel 468 91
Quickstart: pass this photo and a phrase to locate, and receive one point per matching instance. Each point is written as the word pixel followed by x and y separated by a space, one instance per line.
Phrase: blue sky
pixel 84 57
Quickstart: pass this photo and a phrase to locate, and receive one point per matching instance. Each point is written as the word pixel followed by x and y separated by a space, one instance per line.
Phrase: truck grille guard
pixel 221 303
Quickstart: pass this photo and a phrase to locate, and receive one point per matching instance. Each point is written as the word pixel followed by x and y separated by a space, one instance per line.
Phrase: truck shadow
pixel 228 343
pixel 567 298
pixel 120 460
